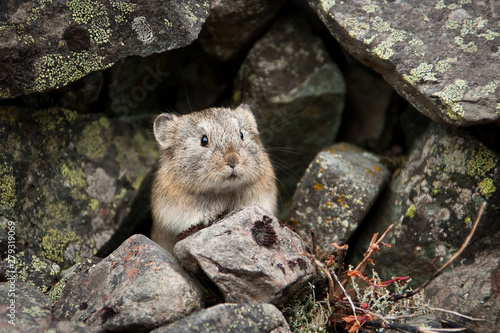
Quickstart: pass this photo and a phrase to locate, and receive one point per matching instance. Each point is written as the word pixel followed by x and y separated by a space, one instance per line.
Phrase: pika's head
pixel 211 151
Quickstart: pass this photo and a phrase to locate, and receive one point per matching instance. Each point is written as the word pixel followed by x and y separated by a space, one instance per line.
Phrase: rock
pixel 433 202
pixel 69 327
pixel 250 256
pixel 441 56
pixel 67 181
pixel 79 37
pixel 231 318
pixel 297 94
pixel 23 308
pixel 335 194
pixel 368 119
pixel 232 25
pixel 471 290
pixel 39 272
pixel 138 287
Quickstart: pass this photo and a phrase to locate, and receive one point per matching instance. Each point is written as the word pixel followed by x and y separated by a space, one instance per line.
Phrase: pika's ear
pixel 161 127
pixel 245 111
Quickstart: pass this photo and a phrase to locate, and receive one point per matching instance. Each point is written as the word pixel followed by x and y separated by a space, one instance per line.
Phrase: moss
pixel 486 187
pixel 54 243
pixel 410 212
pixel 74 176
pixel 481 161
pixel 7 186
pixel 91 143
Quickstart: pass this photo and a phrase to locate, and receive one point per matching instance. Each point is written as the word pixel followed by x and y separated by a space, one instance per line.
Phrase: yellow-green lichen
pixel 55 242
pixel 440 5
pixel 51 119
pixel 481 162
pixel 490 88
pixel 56 70
pixel 355 28
pixel 486 187
pixel 424 72
pixel 94 204
pixel 55 214
pixel 327 4
pixel 74 176
pixel 410 212
pixel 124 8
pixel 7 186
pixel 451 97
pixel 442 66
pixel 370 8
pixel 91 143
pixel 384 49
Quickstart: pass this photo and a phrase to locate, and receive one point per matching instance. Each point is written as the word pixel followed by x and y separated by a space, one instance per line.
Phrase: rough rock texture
pixel 23 308
pixel 433 203
pixel 67 181
pixel 231 318
pixel 29 267
pixel 442 56
pixel 232 25
pixel 297 94
pixel 250 256
pixel 138 287
pixel 335 194
pixel 48 44
pixel 471 290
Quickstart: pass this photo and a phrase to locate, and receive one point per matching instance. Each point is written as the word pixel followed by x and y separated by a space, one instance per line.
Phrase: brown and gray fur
pixel 197 182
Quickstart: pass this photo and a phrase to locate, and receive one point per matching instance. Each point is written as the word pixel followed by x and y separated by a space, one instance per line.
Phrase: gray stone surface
pixel 297 94
pixel 250 256
pixel 442 56
pixel 335 194
pixel 471 290
pixel 82 36
pixel 67 181
pixel 23 308
pixel 231 318
pixel 138 287
pixel 433 202
pixel 232 25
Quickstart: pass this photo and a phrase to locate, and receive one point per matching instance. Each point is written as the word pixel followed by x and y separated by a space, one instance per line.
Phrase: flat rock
pixel 231 318
pixel 67 181
pixel 250 256
pixel 23 308
pixel 79 37
pixel 471 290
pixel 138 287
pixel 433 202
pixel 442 56
pixel 335 194
pixel 297 94
pixel 232 25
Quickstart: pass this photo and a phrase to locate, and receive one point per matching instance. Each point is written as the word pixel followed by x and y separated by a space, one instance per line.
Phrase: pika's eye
pixel 241 135
pixel 204 141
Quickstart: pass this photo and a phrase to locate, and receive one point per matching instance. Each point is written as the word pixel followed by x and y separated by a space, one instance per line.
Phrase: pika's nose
pixel 231 159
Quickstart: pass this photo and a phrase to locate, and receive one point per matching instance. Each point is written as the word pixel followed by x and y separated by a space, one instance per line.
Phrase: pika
pixel 211 162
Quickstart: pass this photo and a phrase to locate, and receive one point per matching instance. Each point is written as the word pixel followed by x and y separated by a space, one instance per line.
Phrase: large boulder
pixel 48 44
pixel 442 56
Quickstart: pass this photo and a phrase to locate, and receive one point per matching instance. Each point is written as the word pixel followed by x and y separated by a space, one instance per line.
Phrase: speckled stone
pixel 250 256
pixel 471 290
pixel 297 94
pixel 67 181
pixel 335 194
pixel 433 202
pixel 231 318
pixel 23 308
pixel 81 36
pixel 442 56
pixel 138 287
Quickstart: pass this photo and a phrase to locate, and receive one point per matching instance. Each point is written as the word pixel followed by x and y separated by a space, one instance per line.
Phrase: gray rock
pixel 138 287
pixel 231 318
pixel 442 56
pixel 67 181
pixel 335 194
pixel 250 256
pixel 433 202
pixel 37 271
pixel 297 94
pixel 232 25
pixel 23 308
pixel 79 37
pixel 471 290
pixel 69 327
